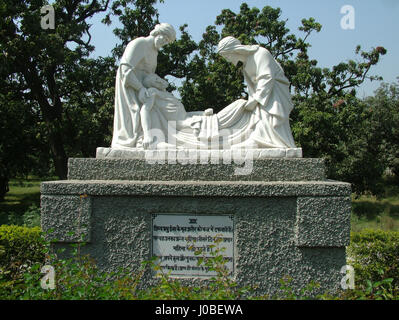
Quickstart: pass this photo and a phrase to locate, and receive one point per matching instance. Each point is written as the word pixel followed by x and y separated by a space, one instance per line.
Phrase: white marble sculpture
pixel 138 61
pixel 269 95
pixel 149 117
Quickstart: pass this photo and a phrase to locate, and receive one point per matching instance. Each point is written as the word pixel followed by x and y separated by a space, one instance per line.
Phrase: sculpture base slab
pixel 197 154
pixel 214 169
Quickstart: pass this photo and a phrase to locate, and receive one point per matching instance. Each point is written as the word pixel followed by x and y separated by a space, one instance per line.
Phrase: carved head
pixel 163 33
pixel 232 50
pixel 227 44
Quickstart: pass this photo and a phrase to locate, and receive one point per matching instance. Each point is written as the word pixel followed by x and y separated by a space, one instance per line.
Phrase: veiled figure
pixel 269 97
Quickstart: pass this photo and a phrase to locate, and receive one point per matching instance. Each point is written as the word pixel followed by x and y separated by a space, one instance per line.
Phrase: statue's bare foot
pixel 148 142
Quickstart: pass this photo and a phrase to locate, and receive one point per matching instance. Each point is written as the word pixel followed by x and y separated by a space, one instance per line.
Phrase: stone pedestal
pixel 287 218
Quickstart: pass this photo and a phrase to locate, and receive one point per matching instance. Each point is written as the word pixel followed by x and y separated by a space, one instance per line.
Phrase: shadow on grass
pixel 370 210
pixel 22 195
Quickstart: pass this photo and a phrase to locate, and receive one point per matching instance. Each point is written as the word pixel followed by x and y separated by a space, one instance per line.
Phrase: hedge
pixel 374 254
pixel 20 247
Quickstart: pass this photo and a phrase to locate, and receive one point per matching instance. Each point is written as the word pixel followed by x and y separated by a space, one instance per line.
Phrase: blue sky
pixel 376 24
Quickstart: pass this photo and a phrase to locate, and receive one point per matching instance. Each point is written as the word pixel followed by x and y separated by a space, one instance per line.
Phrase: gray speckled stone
pixel 197 188
pixel 66 218
pixel 288 219
pixel 266 246
pixel 284 169
pixel 323 221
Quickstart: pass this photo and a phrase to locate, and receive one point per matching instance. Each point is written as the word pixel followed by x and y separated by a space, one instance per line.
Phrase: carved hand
pixel 251 104
pixel 143 95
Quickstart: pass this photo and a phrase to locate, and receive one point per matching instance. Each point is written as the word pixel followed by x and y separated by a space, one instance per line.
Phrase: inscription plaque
pixel 174 234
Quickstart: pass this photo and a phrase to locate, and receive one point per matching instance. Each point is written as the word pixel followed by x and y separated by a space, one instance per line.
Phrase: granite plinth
pixel 278 169
pixel 288 218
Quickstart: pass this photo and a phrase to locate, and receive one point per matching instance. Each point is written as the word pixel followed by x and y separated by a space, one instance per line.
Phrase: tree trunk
pixel 58 151
pixel 59 156
pixel 3 187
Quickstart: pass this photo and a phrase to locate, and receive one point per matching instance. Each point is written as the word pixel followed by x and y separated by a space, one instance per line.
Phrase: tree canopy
pixel 56 101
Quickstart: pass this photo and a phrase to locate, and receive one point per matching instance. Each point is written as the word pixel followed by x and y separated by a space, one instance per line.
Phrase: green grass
pixel 382 213
pixel 23 193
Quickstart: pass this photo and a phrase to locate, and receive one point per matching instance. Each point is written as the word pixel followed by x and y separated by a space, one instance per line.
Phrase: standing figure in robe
pixel 269 99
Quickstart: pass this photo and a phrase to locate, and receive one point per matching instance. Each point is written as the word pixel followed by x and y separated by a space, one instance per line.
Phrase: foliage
pixel 138 19
pixel 286 291
pixel 210 75
pixel 21 248
pixel 24 252
pixel 51 88
pixel 19 149
pixel 340 132
pixel 61 98
pixel 384 109
pixel 382 212
pixel 22 201
pixel 76 278
pixel 31 218
pixel 212 82
pixel 37 62
pixel 88 117
pixel 379 290
pixel 328 120
pixel 374 254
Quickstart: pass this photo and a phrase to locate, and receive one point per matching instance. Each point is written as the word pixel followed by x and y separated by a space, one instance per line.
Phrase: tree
pixel 212 81
pixel 327 119
pixel 210 76
pixel 50 71
pixel 384 122
pixel 89 105
pixel 137 21
pixel 38 60
pixel 17 133
pixel 20 150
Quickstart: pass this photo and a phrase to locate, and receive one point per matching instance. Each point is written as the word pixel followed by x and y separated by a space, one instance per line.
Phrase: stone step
pixel 196 188
pixel 278 169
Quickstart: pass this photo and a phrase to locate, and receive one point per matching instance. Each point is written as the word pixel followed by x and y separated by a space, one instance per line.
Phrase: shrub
pixel 23 254
pixel 31 217
pixel 374 254
pixel 21 247
pixel 76 278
